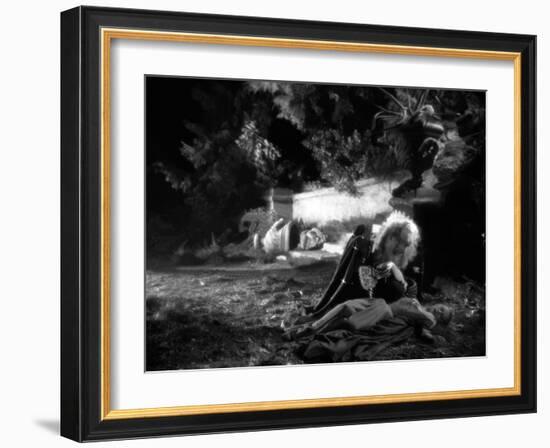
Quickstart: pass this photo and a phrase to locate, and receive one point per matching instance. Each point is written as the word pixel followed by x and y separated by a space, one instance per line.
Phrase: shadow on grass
pixel 187 340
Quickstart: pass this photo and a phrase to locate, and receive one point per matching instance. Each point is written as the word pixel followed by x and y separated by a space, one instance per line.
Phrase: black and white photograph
pixel 275 224
pixel 295 223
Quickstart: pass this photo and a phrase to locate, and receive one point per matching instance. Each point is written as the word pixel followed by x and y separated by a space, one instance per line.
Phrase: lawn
pixel 232 316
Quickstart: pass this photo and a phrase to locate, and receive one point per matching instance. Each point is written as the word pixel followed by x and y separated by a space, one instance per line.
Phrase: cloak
pixel 345 284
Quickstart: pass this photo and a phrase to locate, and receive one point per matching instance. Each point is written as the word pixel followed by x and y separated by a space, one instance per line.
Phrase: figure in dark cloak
pixel 389 253
pixel 369 303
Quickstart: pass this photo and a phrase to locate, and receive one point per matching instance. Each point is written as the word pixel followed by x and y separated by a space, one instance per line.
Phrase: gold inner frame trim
pixel 107 35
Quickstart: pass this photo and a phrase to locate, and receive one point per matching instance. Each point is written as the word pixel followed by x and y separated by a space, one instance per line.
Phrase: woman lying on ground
pixel 363 314
pixel 360 331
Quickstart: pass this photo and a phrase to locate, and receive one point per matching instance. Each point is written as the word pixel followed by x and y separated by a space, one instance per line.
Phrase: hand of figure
pixel 398 275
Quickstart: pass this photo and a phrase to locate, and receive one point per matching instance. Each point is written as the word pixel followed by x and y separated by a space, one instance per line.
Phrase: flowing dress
pixel 359 329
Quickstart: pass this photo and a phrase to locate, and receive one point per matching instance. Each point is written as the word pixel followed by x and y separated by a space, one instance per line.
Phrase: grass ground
pixel 211 317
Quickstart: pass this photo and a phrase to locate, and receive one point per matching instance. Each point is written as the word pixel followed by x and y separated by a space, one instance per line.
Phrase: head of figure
pixel 443 314
pixel 397 240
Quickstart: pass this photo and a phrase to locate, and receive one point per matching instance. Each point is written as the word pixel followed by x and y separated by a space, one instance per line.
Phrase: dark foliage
pixel 214 147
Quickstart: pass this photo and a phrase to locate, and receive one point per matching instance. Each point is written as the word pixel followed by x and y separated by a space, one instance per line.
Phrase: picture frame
pixel 86 37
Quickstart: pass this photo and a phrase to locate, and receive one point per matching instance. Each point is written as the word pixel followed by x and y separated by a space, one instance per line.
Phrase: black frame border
pixel 81 223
